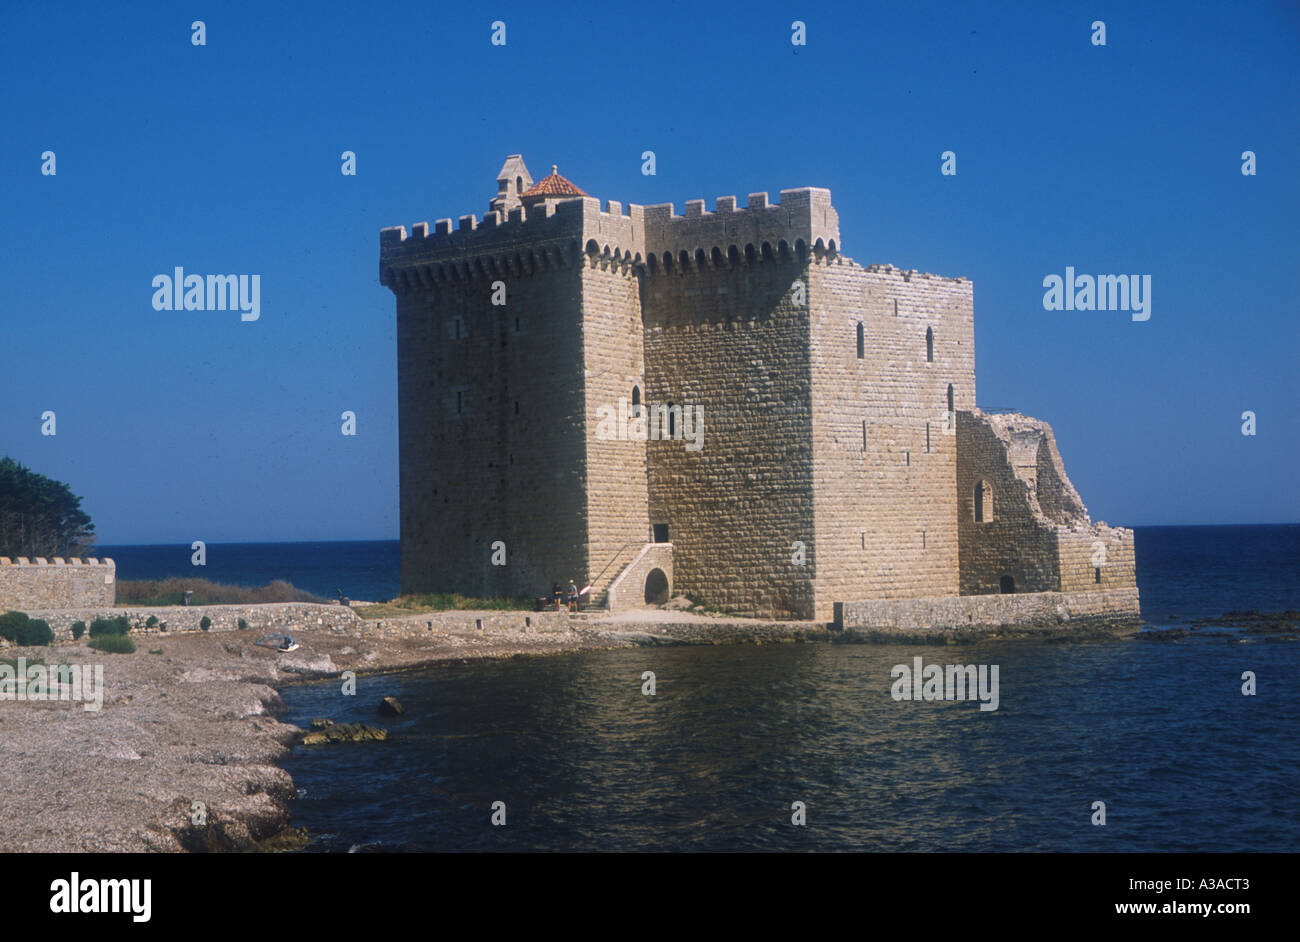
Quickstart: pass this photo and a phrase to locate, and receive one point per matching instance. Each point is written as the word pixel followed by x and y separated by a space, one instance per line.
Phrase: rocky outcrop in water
pixel 344 732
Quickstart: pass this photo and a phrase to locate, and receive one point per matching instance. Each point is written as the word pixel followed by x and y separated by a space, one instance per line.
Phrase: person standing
pixel 573 598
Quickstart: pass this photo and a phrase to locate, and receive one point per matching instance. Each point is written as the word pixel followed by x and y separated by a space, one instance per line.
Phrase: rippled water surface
pixel 1158 730
pixel 583 760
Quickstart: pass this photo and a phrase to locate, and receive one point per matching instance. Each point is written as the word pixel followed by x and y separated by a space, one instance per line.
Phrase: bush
pixel 243 625
pixel 117 625
pixel 205 622
pixel 22 630
pixel 113 644
pixel 37 632
pixel 11 623
pixel 78 629
pixel 152 622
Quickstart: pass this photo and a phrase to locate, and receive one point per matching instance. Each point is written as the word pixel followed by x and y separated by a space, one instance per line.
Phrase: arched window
pixel 862 342
pixel 950 415
pixel 929 345
pixel 672 424
pixel 519 185
pixel 636 401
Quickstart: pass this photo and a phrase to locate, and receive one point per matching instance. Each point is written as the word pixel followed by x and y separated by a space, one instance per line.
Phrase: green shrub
pixel 22 630
pixel 113 644
pixel 37 631
pixel 152 622
pixel 78 629
pixel 243 625
pixel 11 623
pixel 117 625
pixel 205 622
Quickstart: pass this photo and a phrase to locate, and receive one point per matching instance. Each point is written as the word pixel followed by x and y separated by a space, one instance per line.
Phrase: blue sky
pixel 177 426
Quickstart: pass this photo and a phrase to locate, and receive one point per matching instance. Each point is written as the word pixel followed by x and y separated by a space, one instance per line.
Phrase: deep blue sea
pixel 363 570
pixel 1158 730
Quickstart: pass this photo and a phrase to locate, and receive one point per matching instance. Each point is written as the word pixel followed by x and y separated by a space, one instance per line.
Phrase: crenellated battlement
pixel 804 217
pixel 474 247
pixel 55 561
pixel 557 233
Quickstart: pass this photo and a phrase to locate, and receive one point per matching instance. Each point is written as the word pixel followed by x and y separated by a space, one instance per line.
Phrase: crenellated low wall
pixel 56 583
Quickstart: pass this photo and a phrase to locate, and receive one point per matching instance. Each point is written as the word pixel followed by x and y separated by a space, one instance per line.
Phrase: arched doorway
pixel 656 587
pixel 1008 585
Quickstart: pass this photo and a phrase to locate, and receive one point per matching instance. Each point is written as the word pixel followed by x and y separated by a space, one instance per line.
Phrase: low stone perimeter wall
pixel 285 617
pixel 412 626
pixel 989 611
pixel 288 617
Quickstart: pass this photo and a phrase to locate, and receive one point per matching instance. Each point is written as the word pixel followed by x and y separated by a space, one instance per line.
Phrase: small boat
pixel 281 643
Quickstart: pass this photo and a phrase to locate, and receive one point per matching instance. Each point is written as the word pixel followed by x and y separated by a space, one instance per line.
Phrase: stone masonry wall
pixel 1096 559
pixel 56 583
pixel 730 338
pixel 617 512
pixel 491 409
pixel 884 462
pixel 292 617
pixel 990 611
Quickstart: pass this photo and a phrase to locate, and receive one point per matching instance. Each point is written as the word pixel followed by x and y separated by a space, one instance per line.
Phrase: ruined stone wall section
pixel 1032 452
pixel 885 468
pixel 1014 539
pixel 56 583
pixel 731 340
pixel 613 366
pixel 1036 528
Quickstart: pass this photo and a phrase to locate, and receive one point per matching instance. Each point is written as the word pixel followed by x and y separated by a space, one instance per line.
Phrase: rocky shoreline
pixel 184 753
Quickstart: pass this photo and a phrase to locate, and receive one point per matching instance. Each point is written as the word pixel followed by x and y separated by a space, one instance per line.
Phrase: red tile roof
pixel 553 185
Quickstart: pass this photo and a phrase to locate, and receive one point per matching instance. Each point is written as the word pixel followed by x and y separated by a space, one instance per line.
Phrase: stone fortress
pixel 842 466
